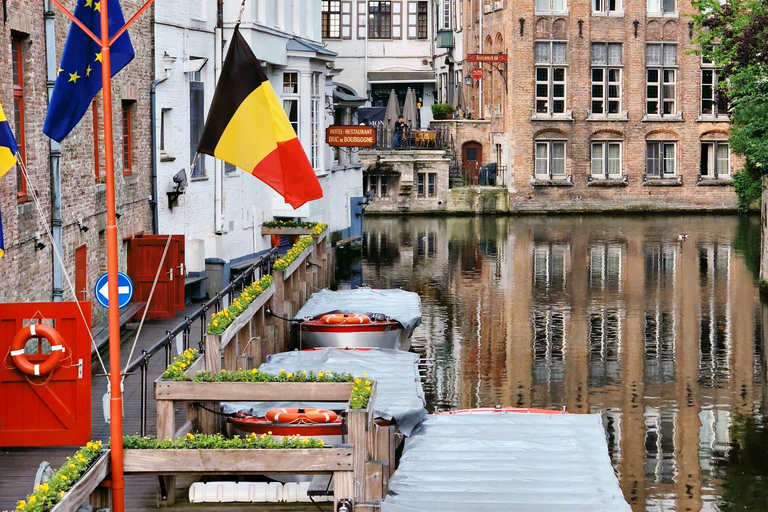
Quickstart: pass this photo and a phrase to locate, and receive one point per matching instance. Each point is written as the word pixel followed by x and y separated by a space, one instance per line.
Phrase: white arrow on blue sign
pixel 124 290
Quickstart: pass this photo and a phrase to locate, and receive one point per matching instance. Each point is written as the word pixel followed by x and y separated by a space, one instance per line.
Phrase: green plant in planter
pixel 443 109
pixel 219 442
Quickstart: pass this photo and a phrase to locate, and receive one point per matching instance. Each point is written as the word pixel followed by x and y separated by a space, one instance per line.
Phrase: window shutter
pixel 413 20
pixel 346 20
pixel 362 15
pixel 397 20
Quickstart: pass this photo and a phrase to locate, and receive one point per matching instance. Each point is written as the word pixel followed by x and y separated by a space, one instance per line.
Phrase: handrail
pixel 263 265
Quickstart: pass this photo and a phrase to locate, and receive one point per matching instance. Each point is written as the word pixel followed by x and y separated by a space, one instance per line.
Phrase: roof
pixel 510 462
pixel 384 77
pixel 302 45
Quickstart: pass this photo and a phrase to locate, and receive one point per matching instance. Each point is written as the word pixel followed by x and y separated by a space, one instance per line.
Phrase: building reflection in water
pixel 659 332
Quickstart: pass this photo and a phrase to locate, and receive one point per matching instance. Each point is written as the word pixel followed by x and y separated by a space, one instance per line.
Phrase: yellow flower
pixel 304 373
pixel 320 441
pixel 357 381
pixel 72 466
pixel 32 498
pixel 365 375
pixel 190 436
pixel 61 494
pixel 320 374
pixel 289 375
pixel 21 504
pixel 269 432
pixel 254 371
pixel 44 487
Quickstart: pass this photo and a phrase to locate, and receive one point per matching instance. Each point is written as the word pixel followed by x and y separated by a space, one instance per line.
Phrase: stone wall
pixel 26 273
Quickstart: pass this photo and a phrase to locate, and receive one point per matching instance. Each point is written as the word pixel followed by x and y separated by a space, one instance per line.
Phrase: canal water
pixel 655 322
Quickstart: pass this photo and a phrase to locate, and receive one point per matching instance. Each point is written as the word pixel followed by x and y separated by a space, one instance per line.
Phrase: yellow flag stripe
pixel 7 160
pixel 255 129
pixel 2 115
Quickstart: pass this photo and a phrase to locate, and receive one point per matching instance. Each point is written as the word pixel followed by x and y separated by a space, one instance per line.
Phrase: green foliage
pixel 293 253
pixel 223 319
pixel 361 393
pixel 747 242
pixel 47 495
pixel 219 442
pixel 442 108
pixel 748 186
pixel 290 224
pixel 255 375
pixel 177 369
pixel 745 468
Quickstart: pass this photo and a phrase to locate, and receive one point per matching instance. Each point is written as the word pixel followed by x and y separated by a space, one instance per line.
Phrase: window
pixel 715 160
pixel 331 19
pixel 550 6
pixel 714 101
pixel 127 141
pixel 378 183
pixel 606 7
pixel 606 159
pixel 550 77
pixel 445 17
pixel 196 122
pixel 291 99
pixel 96 160
pixel 166 133
pixel 660 159
pixel 426 185
pixel 606 78
pixel 17 57
pixel 550 159
pixel 662 7
pixel 315 114
pixel 661 64
pixel 422 20
pixel 380 20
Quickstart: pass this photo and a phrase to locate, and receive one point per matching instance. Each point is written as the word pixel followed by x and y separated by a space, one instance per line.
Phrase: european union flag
pixel 79 74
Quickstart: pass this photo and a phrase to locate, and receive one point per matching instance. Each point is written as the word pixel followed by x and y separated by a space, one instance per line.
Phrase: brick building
pixel 600 106
pixel 72 206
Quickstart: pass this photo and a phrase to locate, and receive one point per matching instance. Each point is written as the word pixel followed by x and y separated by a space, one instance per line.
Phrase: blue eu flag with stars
pixel 79 74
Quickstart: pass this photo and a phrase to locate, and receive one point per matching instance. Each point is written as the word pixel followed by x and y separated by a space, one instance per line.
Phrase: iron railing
pixel 437 137
pixel 489 175
pixel 261 267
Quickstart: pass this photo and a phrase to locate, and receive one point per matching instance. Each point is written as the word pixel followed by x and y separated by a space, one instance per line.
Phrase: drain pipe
pixel 57 291
pixel 218 168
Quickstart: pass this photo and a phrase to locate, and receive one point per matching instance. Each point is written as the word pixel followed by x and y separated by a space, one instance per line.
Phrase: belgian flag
pixel 248 128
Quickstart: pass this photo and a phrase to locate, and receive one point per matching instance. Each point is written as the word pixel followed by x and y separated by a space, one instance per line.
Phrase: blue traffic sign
pixel 124 290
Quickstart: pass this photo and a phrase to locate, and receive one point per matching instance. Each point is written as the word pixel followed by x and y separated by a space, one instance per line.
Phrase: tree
pixel 734 36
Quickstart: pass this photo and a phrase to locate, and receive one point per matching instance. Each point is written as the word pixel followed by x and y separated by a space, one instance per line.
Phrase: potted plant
pixel 443 110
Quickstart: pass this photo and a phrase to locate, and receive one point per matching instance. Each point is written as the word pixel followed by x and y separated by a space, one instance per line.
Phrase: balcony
pixel 445 38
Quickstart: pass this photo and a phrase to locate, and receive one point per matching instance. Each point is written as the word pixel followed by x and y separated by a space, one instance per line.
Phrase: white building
pixel 383 45
pixel 222 208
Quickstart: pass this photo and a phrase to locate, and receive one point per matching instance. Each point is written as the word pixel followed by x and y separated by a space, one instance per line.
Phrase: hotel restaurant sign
pixel 350 136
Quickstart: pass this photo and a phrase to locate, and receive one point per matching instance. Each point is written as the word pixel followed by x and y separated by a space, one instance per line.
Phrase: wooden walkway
pixel 18 466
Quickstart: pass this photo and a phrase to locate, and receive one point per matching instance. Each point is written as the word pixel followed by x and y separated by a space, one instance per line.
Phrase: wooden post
pixel 213 353
pixel 169 482
pixel 166 419
pixel 356 423
pixel 343 487
pixel 278 304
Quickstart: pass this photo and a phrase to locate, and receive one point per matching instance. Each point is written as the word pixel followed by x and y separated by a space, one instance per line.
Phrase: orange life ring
pixel 299 416
pixel 34 331
pixel 339 319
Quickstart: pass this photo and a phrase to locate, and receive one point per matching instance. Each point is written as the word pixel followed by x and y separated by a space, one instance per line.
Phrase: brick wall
pixel 511 111
pixel 26 272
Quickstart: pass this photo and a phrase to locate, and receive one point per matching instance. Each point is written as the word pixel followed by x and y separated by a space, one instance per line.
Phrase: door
pixel 471 160
pixel 145 254
pixel 53 409
pixel 81 274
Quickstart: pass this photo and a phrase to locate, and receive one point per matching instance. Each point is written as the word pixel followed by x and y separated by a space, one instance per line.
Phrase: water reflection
pixel 623 316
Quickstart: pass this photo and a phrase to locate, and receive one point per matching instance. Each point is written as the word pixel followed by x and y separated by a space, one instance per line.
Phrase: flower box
pixel 243 318
pixel 253 391
pixel 85 485
pixel 285 231
pixel 237 460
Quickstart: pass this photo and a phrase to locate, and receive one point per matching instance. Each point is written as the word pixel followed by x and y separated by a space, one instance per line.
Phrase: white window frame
pixel 315 121
pixel 605 85
pixel 716 113
pixel 166 134
pixel 607 8
pixel 547 148
pixel 714 160
pixel 665 84
pixel 551 6
pixel 546 104
pixel 292 98
pixel 658 7
pixel 662 161
pixel 327 7
pixel 600 159
pixel 446 15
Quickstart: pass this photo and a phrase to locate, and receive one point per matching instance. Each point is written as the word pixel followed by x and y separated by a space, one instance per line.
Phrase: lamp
pixel 168 63
pixel 83 227
pixel 180 179
pixel 468 80
pixel 39 246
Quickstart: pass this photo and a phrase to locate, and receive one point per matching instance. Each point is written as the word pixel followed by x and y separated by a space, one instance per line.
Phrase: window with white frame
pixel 606 78
pixel 661 79
pixel 445 15
pixel 315 118
pixel 380 20
pixel 550 6
pixel 550 159
pixel 331 19
pixel 166 133
pixel 609 7
pixel 714 102
pixel 551 72
pixel 715 160
pixel 660 159
pixel 291 98
pixel 606 159
pixel 661 7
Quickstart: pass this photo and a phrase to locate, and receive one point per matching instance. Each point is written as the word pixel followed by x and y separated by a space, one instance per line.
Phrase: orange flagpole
pixel 116 399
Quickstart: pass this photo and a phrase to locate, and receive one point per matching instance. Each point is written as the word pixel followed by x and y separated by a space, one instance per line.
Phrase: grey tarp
pixel 511 462
pixel 399 395
pixel 400 305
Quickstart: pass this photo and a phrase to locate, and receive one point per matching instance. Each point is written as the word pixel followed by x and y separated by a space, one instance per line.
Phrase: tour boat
pixel 520 410
pixel 359 318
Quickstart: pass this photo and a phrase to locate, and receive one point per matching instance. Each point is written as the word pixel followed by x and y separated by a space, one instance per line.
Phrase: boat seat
pixel 321 485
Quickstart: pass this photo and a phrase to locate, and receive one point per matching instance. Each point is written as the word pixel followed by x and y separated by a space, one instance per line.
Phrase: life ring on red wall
pixel 298 416
pixel 33 331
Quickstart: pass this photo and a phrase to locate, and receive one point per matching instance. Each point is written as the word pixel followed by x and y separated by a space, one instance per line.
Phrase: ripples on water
pixel 624 316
